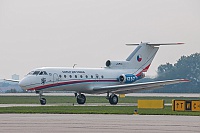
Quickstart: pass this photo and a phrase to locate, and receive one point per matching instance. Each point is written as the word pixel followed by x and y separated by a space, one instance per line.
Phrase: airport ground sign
pixel 186 105
pixel 151 104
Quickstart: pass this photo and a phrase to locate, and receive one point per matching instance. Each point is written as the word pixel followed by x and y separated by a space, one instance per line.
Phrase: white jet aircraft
pixel 117 77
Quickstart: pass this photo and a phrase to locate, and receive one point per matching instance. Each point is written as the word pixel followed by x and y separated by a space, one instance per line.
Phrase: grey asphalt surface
pixel 58 123
pixel 43 123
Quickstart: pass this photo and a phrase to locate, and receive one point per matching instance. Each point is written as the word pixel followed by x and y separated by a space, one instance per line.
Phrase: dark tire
pixel 113 99
pixel 42 101
pixel 81 99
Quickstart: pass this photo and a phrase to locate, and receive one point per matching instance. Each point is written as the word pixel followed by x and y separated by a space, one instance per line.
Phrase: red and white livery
pixel 117 77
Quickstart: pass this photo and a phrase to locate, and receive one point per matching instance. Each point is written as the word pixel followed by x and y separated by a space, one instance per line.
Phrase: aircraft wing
pixel 11 80
pixel 130 88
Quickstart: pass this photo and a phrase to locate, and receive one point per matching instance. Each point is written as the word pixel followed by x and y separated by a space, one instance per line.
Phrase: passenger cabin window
pixel 91 76
pixel 102 76
pixel 86 76
pixel 81 76
pixel 65 76
pixel 75 76
pixel 70 76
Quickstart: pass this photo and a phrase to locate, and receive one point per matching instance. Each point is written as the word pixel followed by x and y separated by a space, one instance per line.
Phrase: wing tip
pixel 184 80
pixel 180 43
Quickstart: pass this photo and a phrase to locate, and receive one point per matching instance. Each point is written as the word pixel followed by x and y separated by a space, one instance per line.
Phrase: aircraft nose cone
pixel 24 83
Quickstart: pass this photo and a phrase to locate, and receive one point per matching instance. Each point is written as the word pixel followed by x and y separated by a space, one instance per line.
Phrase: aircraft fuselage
pixel 71 79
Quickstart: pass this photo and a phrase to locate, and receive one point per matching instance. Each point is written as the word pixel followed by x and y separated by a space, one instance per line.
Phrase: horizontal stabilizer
pixel 155 44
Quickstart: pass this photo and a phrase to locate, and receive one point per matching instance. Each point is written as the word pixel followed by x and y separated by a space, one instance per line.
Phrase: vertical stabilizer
pixel 142 57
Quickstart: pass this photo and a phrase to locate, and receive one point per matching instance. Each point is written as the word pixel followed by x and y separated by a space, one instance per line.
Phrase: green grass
pixel 87 109
pixel 94 110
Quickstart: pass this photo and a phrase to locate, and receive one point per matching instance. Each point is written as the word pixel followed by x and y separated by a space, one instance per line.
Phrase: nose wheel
pixel 42 100
pixel 81 99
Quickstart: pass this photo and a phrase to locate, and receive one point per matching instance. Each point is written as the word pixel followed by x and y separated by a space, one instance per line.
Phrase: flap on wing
pixel 129 88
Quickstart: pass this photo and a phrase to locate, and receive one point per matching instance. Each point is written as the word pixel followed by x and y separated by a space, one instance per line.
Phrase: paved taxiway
pixel 45 123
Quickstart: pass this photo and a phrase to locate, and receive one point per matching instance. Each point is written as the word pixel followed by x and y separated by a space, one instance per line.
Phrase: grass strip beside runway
pixel 93 110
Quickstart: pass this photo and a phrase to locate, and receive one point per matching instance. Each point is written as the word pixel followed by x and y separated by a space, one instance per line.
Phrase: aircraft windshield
pixel 43 73
pixel 37 73
pixel 30 73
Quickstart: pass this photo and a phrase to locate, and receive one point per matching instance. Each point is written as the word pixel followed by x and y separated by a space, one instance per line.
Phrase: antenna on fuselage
pixel 74 65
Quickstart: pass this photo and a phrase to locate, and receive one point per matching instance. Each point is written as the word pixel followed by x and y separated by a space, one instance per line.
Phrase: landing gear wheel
pixel 43 101
pixel 81 99
pixel 113 99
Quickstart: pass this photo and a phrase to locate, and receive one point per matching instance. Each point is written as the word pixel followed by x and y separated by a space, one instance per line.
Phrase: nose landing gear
pixel 42 100
pixel 81 99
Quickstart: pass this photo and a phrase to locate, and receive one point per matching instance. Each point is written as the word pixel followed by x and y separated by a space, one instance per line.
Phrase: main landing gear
pixel 42 100
pixel 80 98
pixel 113 99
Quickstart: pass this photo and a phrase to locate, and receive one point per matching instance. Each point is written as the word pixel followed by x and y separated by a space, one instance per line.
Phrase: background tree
pixel 187 67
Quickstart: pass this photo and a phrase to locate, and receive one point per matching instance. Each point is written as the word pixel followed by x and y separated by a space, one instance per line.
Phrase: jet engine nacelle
pixel 118 64
pixel 127 78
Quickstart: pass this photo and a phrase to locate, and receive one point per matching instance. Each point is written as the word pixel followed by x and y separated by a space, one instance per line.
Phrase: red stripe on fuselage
pixel 68 83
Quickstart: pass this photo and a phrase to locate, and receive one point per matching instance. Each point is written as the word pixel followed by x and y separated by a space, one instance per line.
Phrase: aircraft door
pixel 55 78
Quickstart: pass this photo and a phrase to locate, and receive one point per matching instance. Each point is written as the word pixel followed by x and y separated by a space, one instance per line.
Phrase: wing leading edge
pixel 130 88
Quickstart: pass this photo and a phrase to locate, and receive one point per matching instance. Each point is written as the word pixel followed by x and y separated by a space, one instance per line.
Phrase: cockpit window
pixel 36 72
pixel 30 73
pixel 43 73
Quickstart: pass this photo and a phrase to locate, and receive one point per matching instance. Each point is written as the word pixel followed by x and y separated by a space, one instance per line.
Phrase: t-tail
pixel 140 59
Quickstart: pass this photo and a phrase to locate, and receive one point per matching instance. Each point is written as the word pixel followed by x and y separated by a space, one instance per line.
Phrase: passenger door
pixel 55 78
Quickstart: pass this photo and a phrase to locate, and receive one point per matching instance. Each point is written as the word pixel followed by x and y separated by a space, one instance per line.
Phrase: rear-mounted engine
pixel 127 78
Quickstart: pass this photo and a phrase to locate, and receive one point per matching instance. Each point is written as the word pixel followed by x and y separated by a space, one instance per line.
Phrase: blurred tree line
pixel 187 67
